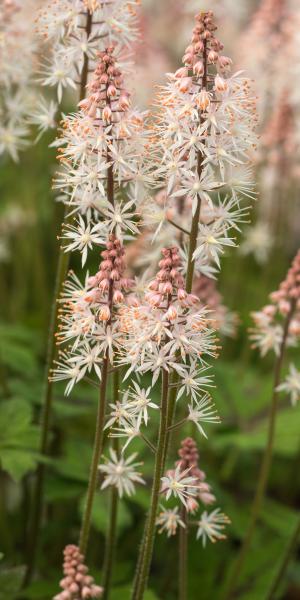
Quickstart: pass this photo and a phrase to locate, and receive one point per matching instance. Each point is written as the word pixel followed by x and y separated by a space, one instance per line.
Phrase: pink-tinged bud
pixel 104 285
pixel 124 102
pixel 107 114
pixel 115 275
pixel 111 91
pixel 92 281
pixel 84 104
pixel 225 61
pixel 171 313
pixel 104 313
pixel 207 498
pixel 199 68
pixel 188 59
pixel 86 593
pixel 212 56
pixel 199 47
pixel 192 505
pixel 167 288
pixel 118 297
pixel 185 84
pixel 207 34
pixel 203 100
pixel 153 299
pixel 74 588
pixel 181 294
pixel 153 285
pixel 104 78
pixel 220 84
pixel 182 72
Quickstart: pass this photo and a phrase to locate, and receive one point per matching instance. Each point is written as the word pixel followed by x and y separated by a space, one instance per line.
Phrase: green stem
pixel 183 556
pixel 264 470
pixel 147 547
pixel 97 451
pixel 285 561
pixel 62 269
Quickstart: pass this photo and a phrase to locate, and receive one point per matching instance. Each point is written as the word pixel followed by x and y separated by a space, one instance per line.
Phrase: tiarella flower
pixel 90 317
pixel 202 410
pixel 137 401
pixel 169 520
pixel 129 429
pixel 121 473
pixel 82 237
pixel 291 385
pixel 211 242
pixel 179 484
pixel 43 116
pixel 268 333
pixel 193 382
pixel 258 241
pixel 211 526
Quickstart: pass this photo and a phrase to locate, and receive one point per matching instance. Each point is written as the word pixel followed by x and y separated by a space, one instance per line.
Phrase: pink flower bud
pixel 220 84
pixel 111 91
pixel 106 113
pixel 182 72
pixel 199 68
pixel 185 84
pixel 104 313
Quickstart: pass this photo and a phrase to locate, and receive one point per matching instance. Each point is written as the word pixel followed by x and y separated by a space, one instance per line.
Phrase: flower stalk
pixel 265 465
pixel 62 269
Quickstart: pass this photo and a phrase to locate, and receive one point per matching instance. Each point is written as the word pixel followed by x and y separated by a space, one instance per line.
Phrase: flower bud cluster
pixel 285 304
pixel 107 96
pixel 224 320
pixel 189 459
pixel 77 584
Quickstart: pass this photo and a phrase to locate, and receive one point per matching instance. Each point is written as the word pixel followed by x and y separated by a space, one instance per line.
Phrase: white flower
pixel 12 139
pixel 291 385
pixel 82 237
pixel 168 520
pixel 121 473
pixel 119 218
pixel 137 401
pixel 193 382
pixel 57 74
pixel 268 337
pixel 258 241
pixel 44 116
pixel 65 369
pixel 211 526
pixel 177 484
pixel 211 241
pixel 129 428
pixel 203 411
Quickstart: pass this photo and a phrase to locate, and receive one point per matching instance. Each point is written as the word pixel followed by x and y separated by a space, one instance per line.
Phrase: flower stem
pixel 111 538
pixel 183 556
pixel 97 451
pixel 284 564
pixel 265 467
pixel 147 546
pixel 62 269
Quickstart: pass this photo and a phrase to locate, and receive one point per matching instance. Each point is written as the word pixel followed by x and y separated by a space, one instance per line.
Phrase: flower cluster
pixel 205 133
pixel 102 155
pixel 17 64
pixel 77 584
pixel 73 32
pixel 279 320
pixel 187 484
pixel 89 318
pixel 224 320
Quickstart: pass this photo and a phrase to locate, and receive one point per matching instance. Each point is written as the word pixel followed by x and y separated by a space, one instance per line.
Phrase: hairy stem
pixel 111 538
pixel 147 546
pixel 97 451
pixel 62 269
pixel 264 469
pixel 183 556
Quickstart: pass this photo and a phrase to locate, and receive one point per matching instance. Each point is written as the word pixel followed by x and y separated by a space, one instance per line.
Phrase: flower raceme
pixel 205 136
pixel 164 322
pixel 102 152
pixel 268 331
pixel 186 483
pixel 77 584
pixel 89 317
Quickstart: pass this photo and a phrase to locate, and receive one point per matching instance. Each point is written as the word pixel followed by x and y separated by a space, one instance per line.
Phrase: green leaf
pixel 124 593
pixel 18 438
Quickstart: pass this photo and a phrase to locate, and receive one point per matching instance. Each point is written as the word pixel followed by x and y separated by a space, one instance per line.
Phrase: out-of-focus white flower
pixel 121 473
pixel 44 116
pixel 291 385
pixel 211 526
pixel 13 139
pixel 258 241
pixel 169 520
